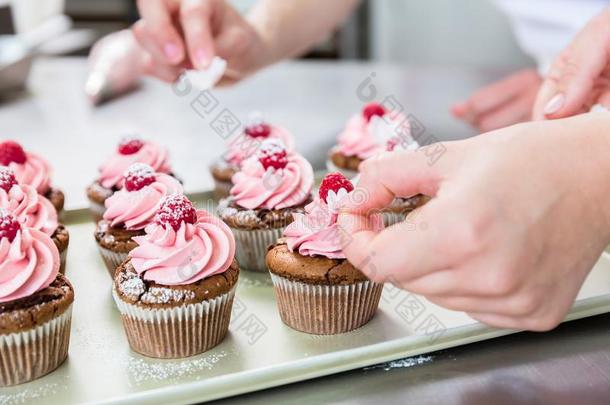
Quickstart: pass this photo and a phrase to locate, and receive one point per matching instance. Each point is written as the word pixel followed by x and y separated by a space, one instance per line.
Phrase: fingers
pixel 400 173
pixel 163 72
pixel 157 33
pixel 196 20
pixel 516 111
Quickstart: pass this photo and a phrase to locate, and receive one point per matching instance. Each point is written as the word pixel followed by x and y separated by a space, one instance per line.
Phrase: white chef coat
pixel 545 27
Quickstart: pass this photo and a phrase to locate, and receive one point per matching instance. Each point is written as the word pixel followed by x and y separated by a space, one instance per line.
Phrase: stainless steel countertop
pixel 569 365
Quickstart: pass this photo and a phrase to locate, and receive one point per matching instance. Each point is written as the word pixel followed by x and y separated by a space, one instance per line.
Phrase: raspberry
pixel 391 144
pixel 176 209
pixel 259 130
pixel 335 182
pixel 7 178
pixel 11 151
pixel 273 154
pixel 138 176
pixel 9 226
pixel 371 110
pixel 130 145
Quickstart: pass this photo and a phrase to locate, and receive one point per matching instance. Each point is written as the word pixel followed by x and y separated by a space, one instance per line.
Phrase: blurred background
pixel 441 27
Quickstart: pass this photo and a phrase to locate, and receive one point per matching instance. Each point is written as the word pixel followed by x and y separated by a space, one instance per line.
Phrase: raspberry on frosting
pixel 138 176
pixel 130 145
pixel 272 153
pixel 176 209
pixel 373 109
pixel 11 152
pixel 334 182
pixel 7 178
pixel 9 226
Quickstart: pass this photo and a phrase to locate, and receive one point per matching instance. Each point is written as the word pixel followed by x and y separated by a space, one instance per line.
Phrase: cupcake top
pixel 317 233
pixel 183 245
pixel 29 260
pixel 30 208
pixel 129 151
pixel 135 205
pixel 272 179
pixel 257 131
pixel 29 168
pixel 373 131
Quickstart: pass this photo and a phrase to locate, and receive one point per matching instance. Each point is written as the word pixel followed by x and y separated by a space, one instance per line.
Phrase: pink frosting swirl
pixel 192 253
pixel 35 172
pixel 244 146
pixel 111 172
pixel 28 264
pixel 255 187
pixel 317 233
pixel 30 208
pixel 136 209
pixel 365 139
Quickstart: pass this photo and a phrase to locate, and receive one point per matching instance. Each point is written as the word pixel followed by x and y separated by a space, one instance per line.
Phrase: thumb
pixel 572 76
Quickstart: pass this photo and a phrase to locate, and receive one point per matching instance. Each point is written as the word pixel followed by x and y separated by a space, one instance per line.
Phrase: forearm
pixel 289 27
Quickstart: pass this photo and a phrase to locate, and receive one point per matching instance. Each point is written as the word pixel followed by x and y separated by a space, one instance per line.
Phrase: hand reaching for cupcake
pixel 503 237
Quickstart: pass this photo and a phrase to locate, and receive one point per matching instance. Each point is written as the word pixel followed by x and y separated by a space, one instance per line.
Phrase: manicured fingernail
pixel 554 104
pixel 202 58
pixel 172 52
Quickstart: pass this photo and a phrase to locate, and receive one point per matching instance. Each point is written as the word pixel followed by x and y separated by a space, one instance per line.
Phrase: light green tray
pixel 260 352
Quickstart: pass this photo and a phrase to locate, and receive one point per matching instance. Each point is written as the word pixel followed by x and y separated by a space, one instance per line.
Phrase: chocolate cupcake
pixel 33 210
pixel 130 210
pixel 129 151
pixel 269 188
pixel 31 170
pixel 367 134
pixel 242 147
pixel 175 291
pixel 318 290
pixel 35 304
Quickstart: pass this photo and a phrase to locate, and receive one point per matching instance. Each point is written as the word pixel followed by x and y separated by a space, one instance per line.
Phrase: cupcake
pixel 242 147
pixel 367 134
pixel 31 170
pixel 269 188
pixel 130 210
pixel 35 304
pixel 318 290
pixel 175 291
pixel 129 151
pixel 33 210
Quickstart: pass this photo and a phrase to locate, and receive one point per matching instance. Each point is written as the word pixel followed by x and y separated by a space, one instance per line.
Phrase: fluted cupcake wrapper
pixel 326 309
pixel 179 332
pixel 97 210
pixel 222 189
pixel 251 246
pixel 331 167
pixel 62 261
pixel 391 218
pixel 112 259
pixel 25 356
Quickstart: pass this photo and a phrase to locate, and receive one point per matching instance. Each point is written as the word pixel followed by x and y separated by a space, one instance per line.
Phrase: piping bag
pixel 116 63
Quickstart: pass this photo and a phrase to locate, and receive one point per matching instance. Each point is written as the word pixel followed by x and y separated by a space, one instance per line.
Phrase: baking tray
pixel 259 352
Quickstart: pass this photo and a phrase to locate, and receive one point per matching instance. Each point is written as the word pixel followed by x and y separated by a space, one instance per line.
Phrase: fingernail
pixel 202 58
pixel 172 52
pixel 554 104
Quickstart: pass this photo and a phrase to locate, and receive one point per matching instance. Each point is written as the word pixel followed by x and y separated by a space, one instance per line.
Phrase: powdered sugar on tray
pixel 147 370
pixel 402 363
pixel 21 394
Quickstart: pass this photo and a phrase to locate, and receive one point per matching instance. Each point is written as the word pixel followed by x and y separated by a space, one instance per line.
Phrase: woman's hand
pixel 580 77
pixel 517 220
pixel 180 34
pixel 503 103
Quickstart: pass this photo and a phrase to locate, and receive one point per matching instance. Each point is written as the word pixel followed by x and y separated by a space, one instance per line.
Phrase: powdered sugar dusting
pixel 21 394
pixel 144 370
pixel 402 363
pixel 132 286
pixel 139 170
pixel 7 178
pixel 161 295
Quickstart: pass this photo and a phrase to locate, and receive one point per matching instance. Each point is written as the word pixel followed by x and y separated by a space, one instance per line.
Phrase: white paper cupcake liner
pixel 326 309
pixel 112 259
pixel 25 356
pixel 178 332
pixel 222 189
pixel 251 246
pixel 97 210
pixel 331 167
